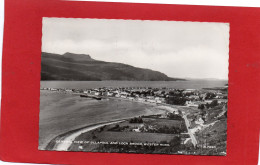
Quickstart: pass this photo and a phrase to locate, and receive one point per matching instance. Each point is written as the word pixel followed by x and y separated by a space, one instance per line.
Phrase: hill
pixel 81 67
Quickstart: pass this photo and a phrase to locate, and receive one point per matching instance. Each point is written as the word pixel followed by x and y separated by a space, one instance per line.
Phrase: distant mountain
pixel 81 67
pixel 207 79
pixel 78 57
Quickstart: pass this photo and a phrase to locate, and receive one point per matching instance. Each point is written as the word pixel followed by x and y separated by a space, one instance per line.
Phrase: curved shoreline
pixel 166 107
pixel 63 141
pixel 67 138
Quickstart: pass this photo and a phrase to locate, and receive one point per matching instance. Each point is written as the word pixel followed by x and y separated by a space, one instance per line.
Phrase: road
pixel 193 139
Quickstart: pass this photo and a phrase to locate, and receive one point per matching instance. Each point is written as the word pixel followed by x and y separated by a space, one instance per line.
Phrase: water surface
pixel 190 84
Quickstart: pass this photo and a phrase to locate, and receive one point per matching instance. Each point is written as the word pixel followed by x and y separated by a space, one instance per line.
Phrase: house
pixel 222 101
pixel 188 91
pixel 124 94
pixel 138 129
pixel 150 97
pixel 195 97
pixel 208 101
pixel 151 101
pixel 131 98
pixel 93 92
pixel 159 100
pixel 110 94
pixel 191 104
pixel 97 93
pixel 199 121
pixel 141 99
pixel 87 91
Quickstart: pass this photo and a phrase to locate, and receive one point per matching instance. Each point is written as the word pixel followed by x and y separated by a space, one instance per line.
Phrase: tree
pixel 176 100
pixel 209 96
pixel 201 106
pixel 214 103
pixel 207 105
pixel 175 143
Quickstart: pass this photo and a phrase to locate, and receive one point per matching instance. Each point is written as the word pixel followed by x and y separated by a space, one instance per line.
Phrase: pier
pixel 91 96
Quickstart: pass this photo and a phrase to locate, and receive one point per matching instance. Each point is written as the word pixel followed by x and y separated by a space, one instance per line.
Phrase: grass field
pixel 161 122
pixel 120 137
pixel 134 136
pixel 124 134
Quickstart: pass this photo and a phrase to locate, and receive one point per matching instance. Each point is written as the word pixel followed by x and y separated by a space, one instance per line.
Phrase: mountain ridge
pixel 81 67
pixel 84 57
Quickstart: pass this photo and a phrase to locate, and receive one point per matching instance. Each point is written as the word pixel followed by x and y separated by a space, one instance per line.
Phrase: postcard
pixel 134 86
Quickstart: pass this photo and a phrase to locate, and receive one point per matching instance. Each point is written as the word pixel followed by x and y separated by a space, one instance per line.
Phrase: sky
pixel 176 48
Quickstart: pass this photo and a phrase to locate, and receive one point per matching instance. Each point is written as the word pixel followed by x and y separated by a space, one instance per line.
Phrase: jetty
pixel 92 96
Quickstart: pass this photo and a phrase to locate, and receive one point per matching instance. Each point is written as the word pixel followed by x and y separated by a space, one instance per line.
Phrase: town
pixel 187 97
pixel 194 121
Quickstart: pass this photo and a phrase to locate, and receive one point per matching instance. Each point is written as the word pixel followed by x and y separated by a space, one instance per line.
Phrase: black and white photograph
pixel 134 86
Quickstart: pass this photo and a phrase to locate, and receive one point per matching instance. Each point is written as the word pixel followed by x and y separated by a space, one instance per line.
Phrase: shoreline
pixel 52 144
pixel 162 106
pixel 67 141
pixel 69 136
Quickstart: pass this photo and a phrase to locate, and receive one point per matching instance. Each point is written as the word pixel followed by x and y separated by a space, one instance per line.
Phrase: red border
pixel 21 78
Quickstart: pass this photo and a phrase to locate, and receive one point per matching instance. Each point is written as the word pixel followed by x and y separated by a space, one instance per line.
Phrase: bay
pixel 189 84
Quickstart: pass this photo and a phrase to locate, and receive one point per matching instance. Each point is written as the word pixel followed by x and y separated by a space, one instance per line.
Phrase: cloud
pixel 178 49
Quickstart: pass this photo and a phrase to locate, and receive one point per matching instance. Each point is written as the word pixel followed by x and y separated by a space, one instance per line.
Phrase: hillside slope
pixel 80 67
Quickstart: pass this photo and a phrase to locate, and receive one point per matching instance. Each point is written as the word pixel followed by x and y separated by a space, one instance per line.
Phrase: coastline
pixel 162 106
pixel 78 121
pixel 69 136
